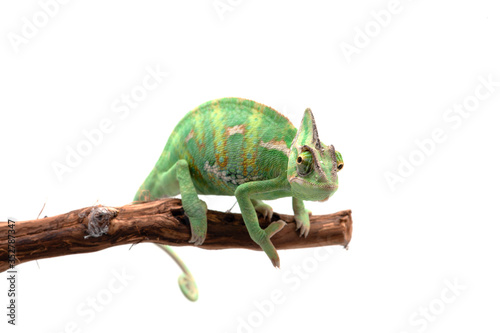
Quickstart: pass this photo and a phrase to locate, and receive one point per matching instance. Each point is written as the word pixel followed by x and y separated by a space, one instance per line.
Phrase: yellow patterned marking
pixel 235 130
pixel 189 136
pixel 277 145
pixel 219 135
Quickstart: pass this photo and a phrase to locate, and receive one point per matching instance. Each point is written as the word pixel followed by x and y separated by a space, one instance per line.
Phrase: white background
pixel 437 226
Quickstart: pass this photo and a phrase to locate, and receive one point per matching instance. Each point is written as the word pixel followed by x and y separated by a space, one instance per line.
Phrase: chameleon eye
pixel 340 161
pixel 304 163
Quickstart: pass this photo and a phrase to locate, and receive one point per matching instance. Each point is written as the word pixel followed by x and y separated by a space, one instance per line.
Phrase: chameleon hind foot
pixel 198 224
pixel 265 241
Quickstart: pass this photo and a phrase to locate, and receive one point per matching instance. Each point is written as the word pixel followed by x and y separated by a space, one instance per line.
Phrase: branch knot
pixel 99 218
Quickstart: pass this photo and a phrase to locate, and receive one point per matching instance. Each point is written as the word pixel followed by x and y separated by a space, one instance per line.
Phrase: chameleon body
pixel 241 148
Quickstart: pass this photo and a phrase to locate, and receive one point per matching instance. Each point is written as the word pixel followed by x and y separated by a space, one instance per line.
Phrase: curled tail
pixel 186 280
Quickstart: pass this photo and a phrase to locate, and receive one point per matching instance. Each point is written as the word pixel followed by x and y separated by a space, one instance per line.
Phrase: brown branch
pixel 160 221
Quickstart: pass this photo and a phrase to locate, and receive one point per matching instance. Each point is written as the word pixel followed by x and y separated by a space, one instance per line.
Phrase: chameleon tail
pixel 150 191
pixel 186 280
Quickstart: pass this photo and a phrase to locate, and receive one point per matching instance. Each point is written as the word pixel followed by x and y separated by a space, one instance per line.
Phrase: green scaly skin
pixel 238 147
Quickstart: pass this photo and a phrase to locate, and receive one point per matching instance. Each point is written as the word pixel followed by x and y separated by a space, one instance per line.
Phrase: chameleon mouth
pixel 323 192
pixel 322 186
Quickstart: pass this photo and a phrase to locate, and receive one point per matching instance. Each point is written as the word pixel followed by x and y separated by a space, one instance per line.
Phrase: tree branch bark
pixel 161 221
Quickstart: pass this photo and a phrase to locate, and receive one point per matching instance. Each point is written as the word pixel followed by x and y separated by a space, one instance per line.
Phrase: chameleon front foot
pixel 265 241
pixel 302 216
pixel 302 222
pixel 264 209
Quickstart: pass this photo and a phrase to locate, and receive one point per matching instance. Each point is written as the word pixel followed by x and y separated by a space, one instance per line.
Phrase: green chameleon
pixel 238 147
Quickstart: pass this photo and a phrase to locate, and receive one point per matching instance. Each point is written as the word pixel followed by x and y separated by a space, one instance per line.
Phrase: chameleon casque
pixel 238 147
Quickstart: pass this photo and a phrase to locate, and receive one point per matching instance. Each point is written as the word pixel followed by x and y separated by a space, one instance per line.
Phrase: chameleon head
pixel 312 165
